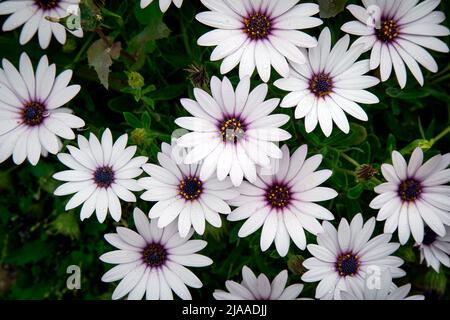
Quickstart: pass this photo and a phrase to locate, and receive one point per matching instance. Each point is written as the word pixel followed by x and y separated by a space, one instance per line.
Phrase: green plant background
pixel 39 240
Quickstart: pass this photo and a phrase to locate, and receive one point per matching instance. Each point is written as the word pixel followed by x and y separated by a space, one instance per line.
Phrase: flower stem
pixel 440 136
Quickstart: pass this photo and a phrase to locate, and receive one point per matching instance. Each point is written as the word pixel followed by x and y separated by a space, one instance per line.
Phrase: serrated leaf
pixel 100 57
pixel 67 225
pixel 330 8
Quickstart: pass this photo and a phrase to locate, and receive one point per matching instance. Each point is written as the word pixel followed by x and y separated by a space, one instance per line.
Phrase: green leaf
pixel 146 119
pixel 67 225
pixel 390 144
pixel 100 57
pixel 330 8
pixel 132 120
pixel 30 252
pixel 354 192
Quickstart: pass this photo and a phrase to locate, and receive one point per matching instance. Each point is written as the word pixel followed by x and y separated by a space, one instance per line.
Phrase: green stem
pixel 349 159
pixel 83 49
pixel 440 136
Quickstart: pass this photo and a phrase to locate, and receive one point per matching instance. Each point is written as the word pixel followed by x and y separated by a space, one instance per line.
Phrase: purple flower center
pixel 388 30
pixel 278 196
pixel 429 236
pixel 33 113
pixel 104 176
pixel 47 4
pixel 232 129
pixel 321 85
pixel 347 264
pixel 154 255
pixel 190 188
pixel 409 190
pixel 257 26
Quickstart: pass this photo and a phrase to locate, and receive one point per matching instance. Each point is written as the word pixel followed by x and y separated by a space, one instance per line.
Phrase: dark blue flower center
pixel 321 85
pixel 257 26
pixel 388 30
pixel 104 176
pixel 47 4
pixel 33 113
pixel 409 190
pixel 429 236
pixel 278 196
pixel 190 188
pixel 347 264
pixel 154 255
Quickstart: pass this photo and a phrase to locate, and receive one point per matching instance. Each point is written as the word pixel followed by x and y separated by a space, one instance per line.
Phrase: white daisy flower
pixel 258 34
pixel 100 173
pixel 153 261
pixel 180 193
pixel 259 288
pixel 283 202
pixel 379 287
pixel 396 32
pixel 233 130
pixel 163 4
pixel 435 250
pixel 414 195
pixel 31 117
pixel 328 85
pixel 35 16
pixel 346 255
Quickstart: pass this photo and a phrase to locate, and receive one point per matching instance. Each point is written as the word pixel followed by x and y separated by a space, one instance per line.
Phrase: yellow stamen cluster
pixel 388 30
pixel 409 190
pixel 231 129
pixel 190 188
pixel 257 26
pixel 348 264
pixel 321 85
pixel 278 196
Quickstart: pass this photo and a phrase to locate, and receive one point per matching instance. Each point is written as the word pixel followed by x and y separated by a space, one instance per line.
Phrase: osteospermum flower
pixel 163 4
pixel 346 255
pixel 259 288
pixel 180 193
pixel 380 287
pixel 31 120
pixel 258 34
pixel 282 202
pixel 435 250
pixel 100 173
pixel 233 131
pixel 328 85
pixel 35 16
pixel 153 261
pixel 414 195
pixel 397 32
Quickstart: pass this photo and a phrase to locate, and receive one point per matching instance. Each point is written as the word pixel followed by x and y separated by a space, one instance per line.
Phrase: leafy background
pixel 148 62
